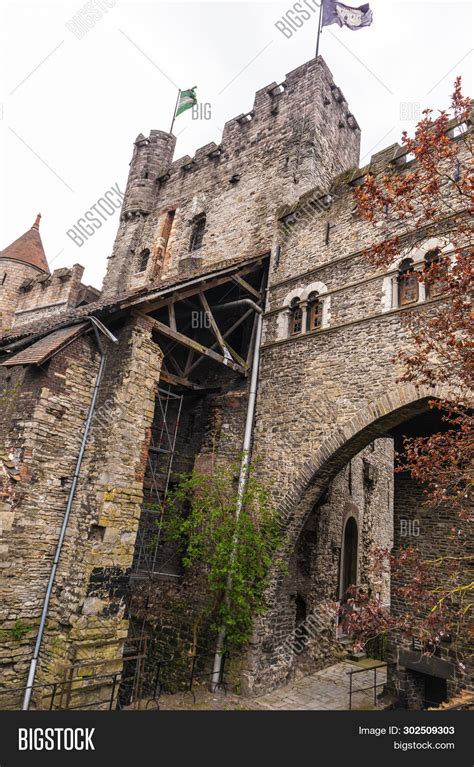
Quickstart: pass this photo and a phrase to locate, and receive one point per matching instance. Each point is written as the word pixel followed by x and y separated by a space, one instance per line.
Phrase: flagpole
pixel 319 27
pixel 175 108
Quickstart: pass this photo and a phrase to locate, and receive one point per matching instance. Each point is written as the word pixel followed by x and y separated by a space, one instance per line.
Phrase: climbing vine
pixel 234 552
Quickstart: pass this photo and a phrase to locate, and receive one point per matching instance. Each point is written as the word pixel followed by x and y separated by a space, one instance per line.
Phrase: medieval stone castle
pixel 246 262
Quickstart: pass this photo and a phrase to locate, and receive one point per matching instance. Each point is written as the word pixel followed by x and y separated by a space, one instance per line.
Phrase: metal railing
pixel 57 696
pixel 374 686
pixel 193 675
pixel 79 689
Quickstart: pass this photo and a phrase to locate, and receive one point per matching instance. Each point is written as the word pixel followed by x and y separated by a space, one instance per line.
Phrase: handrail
pixel 368 668
pixel 373 686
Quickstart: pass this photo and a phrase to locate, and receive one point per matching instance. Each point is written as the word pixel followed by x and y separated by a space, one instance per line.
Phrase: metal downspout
pixel 216 672
pixel 238 302
pixel 98 326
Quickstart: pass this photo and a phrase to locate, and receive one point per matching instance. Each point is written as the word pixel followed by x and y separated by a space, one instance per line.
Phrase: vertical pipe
pixel 216 672
pixel 62 534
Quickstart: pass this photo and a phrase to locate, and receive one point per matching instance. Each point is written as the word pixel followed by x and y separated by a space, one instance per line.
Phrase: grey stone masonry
pixel 298 135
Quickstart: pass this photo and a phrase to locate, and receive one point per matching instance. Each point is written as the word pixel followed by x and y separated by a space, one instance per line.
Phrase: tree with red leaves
pixel 430 196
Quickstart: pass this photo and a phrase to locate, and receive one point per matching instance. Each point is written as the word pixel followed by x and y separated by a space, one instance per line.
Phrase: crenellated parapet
pixel 298 133
pixel 49 294
pixel 334 203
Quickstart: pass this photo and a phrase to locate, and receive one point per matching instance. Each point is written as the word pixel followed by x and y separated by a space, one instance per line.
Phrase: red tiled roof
pixel 28 248
pixel 43 349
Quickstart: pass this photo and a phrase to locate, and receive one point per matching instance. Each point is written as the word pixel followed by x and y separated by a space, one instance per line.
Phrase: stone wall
pixel 41 435
pixel 298 135
pixel 324 396
pixel 170 604
pixel 41 415
pixel 434 533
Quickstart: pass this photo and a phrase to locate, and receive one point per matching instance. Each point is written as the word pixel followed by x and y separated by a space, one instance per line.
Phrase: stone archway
pixel 372 421
pixel 271 656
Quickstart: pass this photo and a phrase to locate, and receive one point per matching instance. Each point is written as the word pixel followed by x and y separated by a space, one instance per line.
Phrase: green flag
pixel 187 99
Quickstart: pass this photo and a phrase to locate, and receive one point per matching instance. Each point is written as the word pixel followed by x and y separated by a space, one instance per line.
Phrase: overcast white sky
pixel 71 108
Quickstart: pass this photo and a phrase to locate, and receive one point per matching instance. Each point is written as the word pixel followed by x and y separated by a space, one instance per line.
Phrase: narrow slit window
pixel 143 259
pixel 166 230
pixel 197 234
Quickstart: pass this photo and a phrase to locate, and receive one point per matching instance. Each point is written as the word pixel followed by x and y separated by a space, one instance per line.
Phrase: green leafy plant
pixel 18 630
pixel 232 551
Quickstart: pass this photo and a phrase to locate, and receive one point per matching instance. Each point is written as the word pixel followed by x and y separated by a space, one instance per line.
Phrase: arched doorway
pixel 349 557
pixel 404 412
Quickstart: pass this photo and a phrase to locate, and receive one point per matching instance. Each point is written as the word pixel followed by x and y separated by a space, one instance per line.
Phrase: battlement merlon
pixel 392 158
pixel 277 109
pixel 298 133
pixel 49 293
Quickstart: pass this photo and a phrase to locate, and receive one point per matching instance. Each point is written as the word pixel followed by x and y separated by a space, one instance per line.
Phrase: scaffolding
pixel 152 553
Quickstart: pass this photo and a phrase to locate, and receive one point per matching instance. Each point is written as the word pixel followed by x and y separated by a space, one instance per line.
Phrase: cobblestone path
pixel 325 690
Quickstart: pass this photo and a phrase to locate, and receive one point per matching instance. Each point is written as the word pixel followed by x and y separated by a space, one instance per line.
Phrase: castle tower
pixel 20 263
pixel 298 135
pixel 151 159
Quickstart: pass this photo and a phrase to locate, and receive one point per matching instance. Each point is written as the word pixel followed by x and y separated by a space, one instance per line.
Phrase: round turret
pixel 20 263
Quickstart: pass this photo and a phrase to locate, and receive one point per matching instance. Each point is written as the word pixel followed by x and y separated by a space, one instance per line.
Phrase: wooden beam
pixel 237 357
pixel 203 284
pixel 172 316
pixel 177 367
pixel 190 343
pixel 189 360
pixel 227 333
pixel 226 348
pixel 168 377
pixel 213 323
pixel 249 288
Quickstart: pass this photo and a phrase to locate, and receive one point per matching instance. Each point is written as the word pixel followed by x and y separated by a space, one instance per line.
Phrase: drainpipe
pixel 239 302
pixel 216 671
pixel 98 327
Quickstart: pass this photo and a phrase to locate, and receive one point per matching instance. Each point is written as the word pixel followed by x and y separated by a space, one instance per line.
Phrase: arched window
pixel 143 259
pixel 407 283
pixel 435 283
pixel 349 557
pixel 301 629
pixel 315 312
pixel 296 317
pixel 197 233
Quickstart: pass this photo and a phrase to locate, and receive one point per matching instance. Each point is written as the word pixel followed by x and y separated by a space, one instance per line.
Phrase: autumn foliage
pixel 429 197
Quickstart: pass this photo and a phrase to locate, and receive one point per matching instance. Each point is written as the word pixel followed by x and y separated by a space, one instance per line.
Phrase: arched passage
pixel 376 420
